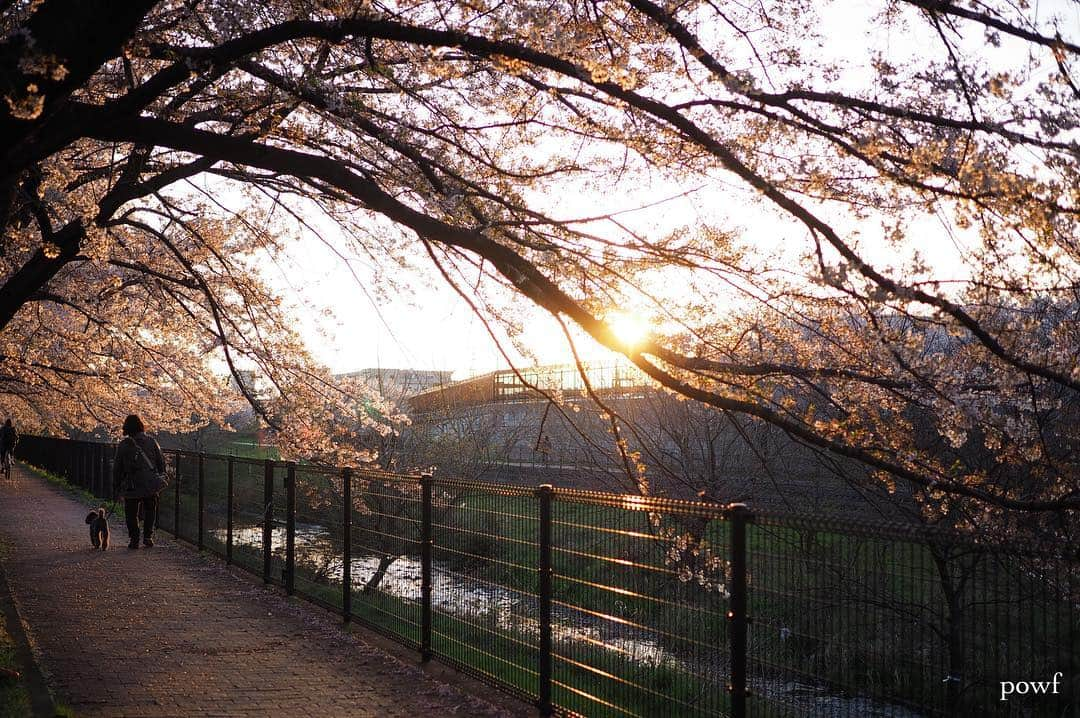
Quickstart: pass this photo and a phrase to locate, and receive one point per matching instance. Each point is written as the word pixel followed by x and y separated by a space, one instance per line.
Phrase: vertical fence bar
pixel 427 542
pixel 106 466
pixel 228 510
pixel 544 689
pixel 739 516
pixel 290 527
pixel 103 470
pixel 99 485
pixel 268 517
pixel 176 496
pixel 202 501
pixel 346 549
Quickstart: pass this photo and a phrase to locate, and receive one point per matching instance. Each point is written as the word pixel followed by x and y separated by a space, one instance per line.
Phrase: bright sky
pixel 434 329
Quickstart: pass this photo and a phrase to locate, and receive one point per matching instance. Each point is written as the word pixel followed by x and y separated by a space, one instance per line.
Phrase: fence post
pixel 290 527
pixel 427 542
pixel 544 693
pixel 228 510
pixel 346 549
pixel 268 517
pixel 737 619
pixel 176 496
pixel 202 501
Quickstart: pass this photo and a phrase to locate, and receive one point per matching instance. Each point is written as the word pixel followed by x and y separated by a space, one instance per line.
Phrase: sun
pixel 546 343
pixel 629 329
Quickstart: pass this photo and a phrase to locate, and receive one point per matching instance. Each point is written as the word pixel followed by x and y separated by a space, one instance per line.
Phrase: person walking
pixel 137 463
pixel 8 438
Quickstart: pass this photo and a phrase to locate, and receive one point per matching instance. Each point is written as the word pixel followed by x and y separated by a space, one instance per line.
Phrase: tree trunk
pixel 380 573
pixel 953 632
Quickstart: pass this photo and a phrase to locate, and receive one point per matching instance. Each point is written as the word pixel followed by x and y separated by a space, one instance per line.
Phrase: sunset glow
pixel 629 329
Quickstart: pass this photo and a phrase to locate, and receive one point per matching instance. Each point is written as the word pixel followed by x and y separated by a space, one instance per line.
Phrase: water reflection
pixel 465 597
pixel 318 556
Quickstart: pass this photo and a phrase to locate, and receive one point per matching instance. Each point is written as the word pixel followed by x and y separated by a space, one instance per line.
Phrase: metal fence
pixel 603 604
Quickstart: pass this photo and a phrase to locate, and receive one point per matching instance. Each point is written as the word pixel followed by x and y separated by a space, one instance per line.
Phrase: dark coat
pixel 128 464
pixel 8 438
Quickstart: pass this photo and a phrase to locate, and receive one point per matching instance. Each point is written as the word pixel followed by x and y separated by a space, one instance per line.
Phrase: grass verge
pixel 23 691
pixel 14 694
pixel 115 508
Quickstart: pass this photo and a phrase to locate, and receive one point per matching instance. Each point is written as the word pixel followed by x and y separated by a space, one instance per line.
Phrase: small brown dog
pixel 99 528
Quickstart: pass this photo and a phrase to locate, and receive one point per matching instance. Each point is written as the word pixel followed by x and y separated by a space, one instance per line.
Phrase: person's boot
pixel 134 542
pixel 148 542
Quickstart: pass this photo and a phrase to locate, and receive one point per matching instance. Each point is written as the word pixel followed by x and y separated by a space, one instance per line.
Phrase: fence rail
pixel 603 604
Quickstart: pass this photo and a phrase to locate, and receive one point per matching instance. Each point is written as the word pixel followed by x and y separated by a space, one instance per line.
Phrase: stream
pixel 513 611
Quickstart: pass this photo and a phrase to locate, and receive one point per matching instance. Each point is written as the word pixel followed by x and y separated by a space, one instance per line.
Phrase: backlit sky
pixel 431 328
pixel 434 329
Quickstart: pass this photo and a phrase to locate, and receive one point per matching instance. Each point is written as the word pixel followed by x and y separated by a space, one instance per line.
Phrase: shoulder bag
pixel 152 480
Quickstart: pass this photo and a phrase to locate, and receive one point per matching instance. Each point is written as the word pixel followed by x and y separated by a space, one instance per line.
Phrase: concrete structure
pixel 397 384
pixel 504 426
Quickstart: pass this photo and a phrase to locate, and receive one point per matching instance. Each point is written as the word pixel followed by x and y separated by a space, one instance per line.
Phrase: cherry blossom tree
pixel 887 233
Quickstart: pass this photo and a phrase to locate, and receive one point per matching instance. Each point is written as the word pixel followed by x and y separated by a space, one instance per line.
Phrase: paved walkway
pixel 165 632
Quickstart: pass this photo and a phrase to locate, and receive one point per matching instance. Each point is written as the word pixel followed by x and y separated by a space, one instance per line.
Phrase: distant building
pixel 253 383
pixel 399 384
pixel 530 384
pixel 514 434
